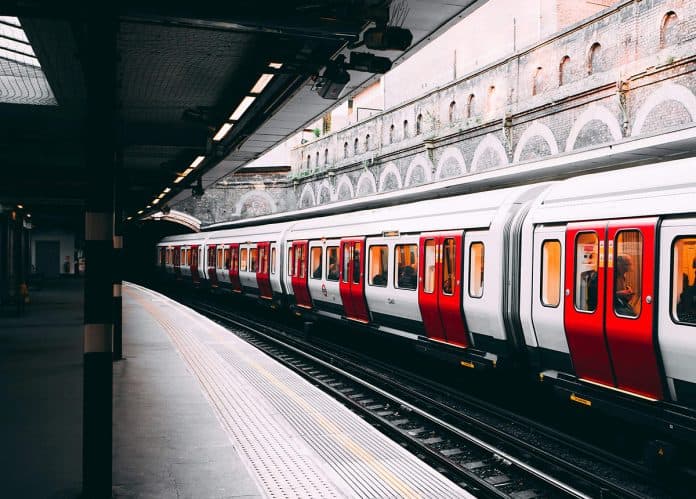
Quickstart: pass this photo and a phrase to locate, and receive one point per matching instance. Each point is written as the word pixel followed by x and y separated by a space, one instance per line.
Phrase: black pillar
pixel 97 39
pixel 118 261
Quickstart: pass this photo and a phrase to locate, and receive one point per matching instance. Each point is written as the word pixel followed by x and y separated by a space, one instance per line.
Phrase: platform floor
pixel 41 394
pixel 200 413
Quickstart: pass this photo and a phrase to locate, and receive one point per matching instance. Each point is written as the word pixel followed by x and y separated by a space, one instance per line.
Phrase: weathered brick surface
pixel 639 80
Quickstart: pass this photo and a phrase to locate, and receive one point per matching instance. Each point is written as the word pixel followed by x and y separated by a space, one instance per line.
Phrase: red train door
pixel 263 276
pixel 195 276
pixel 234 268
pixel 299 275
pixel 177 261
pixel 212 265
pixel 609 330
pixel 629 319
pixel 440 290
pixel 352 279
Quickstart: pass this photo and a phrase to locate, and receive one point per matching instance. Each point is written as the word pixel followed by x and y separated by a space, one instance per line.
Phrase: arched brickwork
pixel 666 93
pixel 419 172
pixel 594 112
pixel 534 143
pixel 490 153
pixel 307 198
pixel 344 189
pixel 255 204
pixel 366 185
pixel 451 164
pixel 390 178
pixel 324 193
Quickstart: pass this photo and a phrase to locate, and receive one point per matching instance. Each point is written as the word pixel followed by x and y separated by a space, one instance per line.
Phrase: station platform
pixel 200 413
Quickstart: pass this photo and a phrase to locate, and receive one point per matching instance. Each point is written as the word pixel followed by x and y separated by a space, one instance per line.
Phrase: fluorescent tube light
pixel 223 131
pixel 261 83
pixel 242 107
pixel 197 162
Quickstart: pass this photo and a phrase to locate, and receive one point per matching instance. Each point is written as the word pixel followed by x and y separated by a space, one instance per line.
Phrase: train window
pixel 476 266
pixel 406 265
pixel 243 262
pixel 253 259
pixel 303 261
pixel 379 266
pixel 346 262
pixel 194 258
pixel 211 256
pixel 628 273
pixel 430 258
pixel 586 272
pixel 273 260
pixel 299 262
pixel 357 247
pixel 232 259
pixel 684 281
pixel 263 260
pixel 551 273
pixel 220 258
pixel 332 263
pixel 316 262
pixel 448 266
pixel 291 261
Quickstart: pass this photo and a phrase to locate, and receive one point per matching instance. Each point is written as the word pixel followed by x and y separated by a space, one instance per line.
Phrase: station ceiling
pixel 180 71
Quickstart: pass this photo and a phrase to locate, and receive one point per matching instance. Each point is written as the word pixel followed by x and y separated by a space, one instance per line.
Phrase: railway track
pixel 482 457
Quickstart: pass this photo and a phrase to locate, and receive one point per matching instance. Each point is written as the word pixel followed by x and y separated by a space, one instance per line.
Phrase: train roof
pixel 649 190
pixel 471 211
pixel 196 237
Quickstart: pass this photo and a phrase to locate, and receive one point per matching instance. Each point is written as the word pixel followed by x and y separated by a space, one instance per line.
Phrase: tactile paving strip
pixel 298 441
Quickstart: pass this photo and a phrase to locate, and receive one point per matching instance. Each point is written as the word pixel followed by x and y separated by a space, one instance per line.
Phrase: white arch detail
pixel 178 217
pixel 535 130
pixel 390 169
pixel 667 92
pixel 419 162
pixel 450 153
pixel 594 112
pixel 307 192
pixel 325 186
pixel 369 178
pixel 489 142
pixel 344 180
pixel 255 193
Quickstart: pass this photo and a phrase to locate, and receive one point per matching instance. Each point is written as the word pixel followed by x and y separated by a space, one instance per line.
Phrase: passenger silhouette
pixel 623 293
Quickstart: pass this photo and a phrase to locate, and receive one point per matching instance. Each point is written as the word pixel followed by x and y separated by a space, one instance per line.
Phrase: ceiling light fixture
pixel 20 206
pixel 155 201
pixel 224 129
pixel 196 162
pixel 261 83
pixel 166 190
pixel 161 196
pixel 275 65
pixel 140 212
pixel 187 171
pixel 178 179
pixel 242 107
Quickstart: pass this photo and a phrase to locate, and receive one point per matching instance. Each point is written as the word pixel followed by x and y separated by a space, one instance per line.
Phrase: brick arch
pixel 307 199
pixel 535 130
pixel 451 153
pixel 667 92
pixel 390 169
pixel 489 142
pixel 592 113
pixel 344 183
pixel 422 163
pixel 256 203
pixel 366 185
pixel 325 187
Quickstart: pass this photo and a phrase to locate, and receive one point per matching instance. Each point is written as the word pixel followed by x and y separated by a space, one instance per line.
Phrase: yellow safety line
pixel 334 431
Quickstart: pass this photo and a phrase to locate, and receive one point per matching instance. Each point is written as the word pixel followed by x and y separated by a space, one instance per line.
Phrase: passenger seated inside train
pixel 332 275
pixel 316 274
pixel 686 306
pixel 623 293
pixel 407 277
pixel 380 279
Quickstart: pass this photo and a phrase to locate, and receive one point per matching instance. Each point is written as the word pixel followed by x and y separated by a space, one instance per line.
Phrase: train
pixel 588 282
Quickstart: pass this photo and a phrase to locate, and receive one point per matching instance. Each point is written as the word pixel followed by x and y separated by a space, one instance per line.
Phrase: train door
pixel 352 279
pixel 177 261
pixel 440 293
pixel 235 282
pixel 299 275
pixel 609 288
pixel 263 277
pixel 211 265
pixel 195 253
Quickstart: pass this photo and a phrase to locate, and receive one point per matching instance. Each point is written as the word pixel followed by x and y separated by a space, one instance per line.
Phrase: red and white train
pixel 590 280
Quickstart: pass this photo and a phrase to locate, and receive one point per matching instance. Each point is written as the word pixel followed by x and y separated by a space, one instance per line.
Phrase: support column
pixel 118 300
pixel 97 41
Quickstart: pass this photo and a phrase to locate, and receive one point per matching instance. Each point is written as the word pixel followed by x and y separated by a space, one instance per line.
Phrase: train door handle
pixel 390 301
pixel 648 299
pixel 567 292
